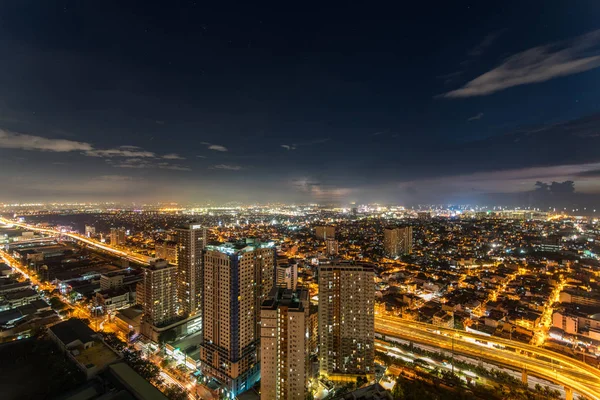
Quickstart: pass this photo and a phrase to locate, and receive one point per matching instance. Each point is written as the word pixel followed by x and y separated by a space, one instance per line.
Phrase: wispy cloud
pixel 173 156
pixel 473 54
pixel 475 117
pixel 484 44
pixel 126 156
pixel 227 167
pixel 125 151
pixel 200 156
pixel 538 64
pixel 145 163
pixel 309 143
pixel 215 147
pixel 12 140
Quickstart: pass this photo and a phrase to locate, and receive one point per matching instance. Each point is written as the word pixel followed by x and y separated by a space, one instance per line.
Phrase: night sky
pixel 447 101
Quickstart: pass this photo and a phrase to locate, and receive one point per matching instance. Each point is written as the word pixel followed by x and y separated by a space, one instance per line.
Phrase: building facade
pixel 117 236
pixel 166 250
pixel 191 241
pixel 324 232
pixel 284 343
pixel 397 241
pixel 332 247
pixel 286 275
pixel 157 293
pixel 346 318
pixel 237 278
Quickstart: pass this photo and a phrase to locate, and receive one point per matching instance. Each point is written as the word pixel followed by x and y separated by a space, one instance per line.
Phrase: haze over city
pixel 473 103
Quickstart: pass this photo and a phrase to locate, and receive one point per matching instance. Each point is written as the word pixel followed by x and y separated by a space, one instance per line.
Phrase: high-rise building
pixel 346 318
pixel 90 231
pixel 284 344
pixel 117 236
pixel 166 250
pixel 286 274
pixel 237 278
pixel 191 242
pixel 157 292
pixel 332 247
pixel 324 232
pixel 397 241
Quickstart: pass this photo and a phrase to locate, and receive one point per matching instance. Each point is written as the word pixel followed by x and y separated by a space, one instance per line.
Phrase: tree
pixel 175 392
pixel 145 368
pixel 167 336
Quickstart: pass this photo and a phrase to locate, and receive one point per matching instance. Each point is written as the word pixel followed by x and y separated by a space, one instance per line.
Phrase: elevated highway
pixel 555 367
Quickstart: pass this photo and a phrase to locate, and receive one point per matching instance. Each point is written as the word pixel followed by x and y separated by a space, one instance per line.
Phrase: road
pixel 546 364
pixel 138 258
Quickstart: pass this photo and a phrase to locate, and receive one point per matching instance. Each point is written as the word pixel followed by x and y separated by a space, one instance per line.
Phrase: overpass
pixel 546 364
pixel 131 256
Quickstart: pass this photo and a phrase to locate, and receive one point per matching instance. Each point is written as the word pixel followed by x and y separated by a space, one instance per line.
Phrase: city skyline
pixel 476 103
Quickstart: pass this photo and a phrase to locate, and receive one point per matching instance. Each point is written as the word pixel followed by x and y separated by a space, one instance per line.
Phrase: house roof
pixel 72 330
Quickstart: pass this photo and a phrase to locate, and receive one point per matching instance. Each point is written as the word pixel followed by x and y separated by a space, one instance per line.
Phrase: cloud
pixel 145 163
pixel 227 167
pixel 125 151
pixel 475 117
pixel 11 140
pixel 309 143
pixel 215 147
pixel 173 156
pixel 595 173
pixel 538 64
pixel 484 44
pixel 114 178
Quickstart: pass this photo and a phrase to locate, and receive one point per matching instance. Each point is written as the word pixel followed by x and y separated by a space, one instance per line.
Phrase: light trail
pixel 553 367
pixel 129 255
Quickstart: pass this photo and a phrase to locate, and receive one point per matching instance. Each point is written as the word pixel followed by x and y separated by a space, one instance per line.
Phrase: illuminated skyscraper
pixel 237 278
pixel 284 343
pixel 397 241
pixel 325 232
pixel 192 239
pixel 167 250
pixel 157 292
pixel 332 246
pixel 286 275
pixel 346 318
pixel 117 236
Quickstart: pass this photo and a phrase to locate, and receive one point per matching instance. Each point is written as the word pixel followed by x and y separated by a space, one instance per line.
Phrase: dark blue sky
pixel 406 103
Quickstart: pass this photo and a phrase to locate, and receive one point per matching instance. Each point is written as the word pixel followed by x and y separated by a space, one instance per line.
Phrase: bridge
pixel 574 375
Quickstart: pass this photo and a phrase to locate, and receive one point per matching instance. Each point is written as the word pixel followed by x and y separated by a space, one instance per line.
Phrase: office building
pixel 346 318
pixel 157 293
pixel 397 241
pixel 191 241
pixel 332 247
pixel 323 232
pixel 284 344
pixel 286 275
pixel 166 250
pixel 117 236
pixel 90 231
pixel 237 278
pixel 111 281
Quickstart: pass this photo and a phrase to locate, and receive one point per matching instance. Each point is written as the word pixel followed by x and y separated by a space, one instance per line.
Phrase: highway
pixel 121 253
pixel 570 373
